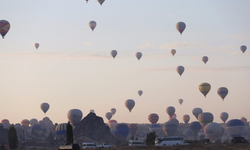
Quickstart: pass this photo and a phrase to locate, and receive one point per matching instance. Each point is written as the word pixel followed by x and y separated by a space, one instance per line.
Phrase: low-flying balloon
pixel 205 59
pixel 5 121
pixel 196 112
pixel 112 123
pixel 155 128
pixel 33 121
pixel 173 51
pixel 170 128
pixel 61 130
pixel 205 118
pixel 44 107
pixel 113 111
pixel 214 131
pixel 153 118
pixel 92 25
pixel 138 55
pixel 74 116
pixel 188 134
pixel 121 129
pixel 36 45
pixel 224 116
pixel 195 127
pixel 180 26
pixel 170 111
pixel 101 1
pixel 130 104
pixel 180 101
pixel 25 122
pixel 180 70
pixel 186 118
pixel 244 120
pixel 140 92
pixel 132 128
pixel 4 27
pixel 222 92
pixel 243 48
pixel 235 127
pixel 204 88
pixel 108 115
pixel 113 53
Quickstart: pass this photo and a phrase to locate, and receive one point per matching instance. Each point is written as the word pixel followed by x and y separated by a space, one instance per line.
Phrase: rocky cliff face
pixel 93 128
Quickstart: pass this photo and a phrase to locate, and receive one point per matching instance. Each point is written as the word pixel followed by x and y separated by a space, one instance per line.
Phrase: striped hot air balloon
pixel 153 118
pixel 222 91
pixel 204 88
pixel 4 27
pixel 25 122
pixel 132 128
pixel 5 121
pixel 186 118
pixel 61 130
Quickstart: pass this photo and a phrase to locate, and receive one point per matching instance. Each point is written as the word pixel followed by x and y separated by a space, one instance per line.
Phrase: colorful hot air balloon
pixel 170 128
pixel 180 26
pixel 5 121
pixel 132 128
pixel 186 118
pixel 196 112
pixel 36 45
pixel 44 107
pixel 153 118
pixel 224 116
pixel 235 127
pixel 25 122
pixel 92 25
pixel 121 129
pixel 205 59
pixel 113 53
pixel 173 51
pixel 214 131
pixel 113 111
pixel 195 127
pixel 180 101
pixel 4 27
pixel 243 48
pixel 170 111
pixel 138 55
pixel 74 116
pixel 130 104
pixel 112 124
pixel 33 121
pixel 204 88
pixel 180 70
pixel 101 1
pixel 108 115
pixel 205 118
pixel 155 128
pixel 61 130
pixel 222 91
pixel 140 92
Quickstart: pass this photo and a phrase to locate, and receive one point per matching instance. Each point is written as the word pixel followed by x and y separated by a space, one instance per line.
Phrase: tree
pixel 69 134
pixel 150 138
pixel 12 136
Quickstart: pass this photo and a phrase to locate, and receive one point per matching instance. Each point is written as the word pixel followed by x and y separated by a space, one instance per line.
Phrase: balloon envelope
pixel 113 53
pixel 205 118
pixel 138 55
pixel 113 111
pixel 44 107
pixel 4 27
pixel 36 45
pixel 235 127
pixel 132 128
pixel 170 128
pixel 214 131
pixel 108 115
pixel 25 122
pixel 170 111
pixel 112 124
pixel 205 59
pixel 173 51
pixel 33 121
pixel 153 118
pixel 180 101
pixel 74 116
pixel 92 111
pixel 224 116
pixel 61 130
pixel 188 134
pixel 244 120
pixel 195 127
pixel 5 121
pixel 186 118
pixel 243 48
pixel 100 1
pixel 130 104
pixel 196 112
pixel 155 128
pixel 180 26
pixel 180 70
pixel 204 88
pixel 222 92
pixel 121 129
pixel 140 92
pixel 92 25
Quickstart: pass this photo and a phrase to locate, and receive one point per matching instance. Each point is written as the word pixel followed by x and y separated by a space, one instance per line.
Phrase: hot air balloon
pixel 44 107
pixel 180 26
pixel 5 121
pixel 113 111
pixel 196 112
pixel 121 129
pixel 170 128
pixel 244 120
pixel 243 48
pixel 4 27
pixel 175 121
pixel 214 131
pixel 25 122
pixel 92 25
pixel 235 127
pixel 180 101
pixel 113 53
pixel 132 128
pixel 101 1
pixel 155 128
pixel 36 45
pixel 74 116
pixel 140 92
pixel 205 59
pixel 138 55
pixel 195 127
pixel 173 51
pixel 186 118
pixel 112 124
pixel 205 118
pixel 130 104
pixel 36 127
pixel 33 121
pixel 153 118
pixel 173 117
pixel 222 91
pixel 61 130
pixel 42 123
pixel 204 88
pixel 224 116
pixel 108 115
pixel 188 134
pixel 92 111
pixel 170 111
pixel 180 70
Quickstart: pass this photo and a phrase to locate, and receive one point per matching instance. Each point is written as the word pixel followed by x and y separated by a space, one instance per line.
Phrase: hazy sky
pixel 73 67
